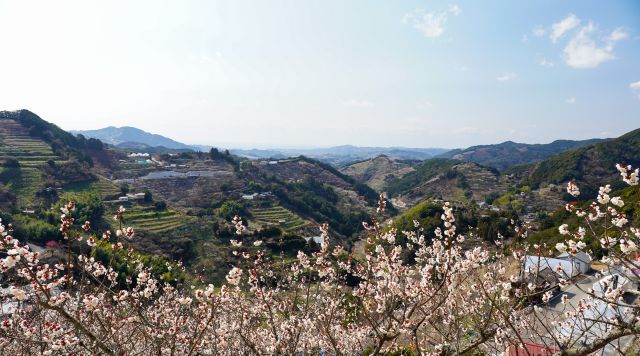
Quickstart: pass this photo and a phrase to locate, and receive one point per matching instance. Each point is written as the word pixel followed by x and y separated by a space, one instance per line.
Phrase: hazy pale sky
pixel 318 73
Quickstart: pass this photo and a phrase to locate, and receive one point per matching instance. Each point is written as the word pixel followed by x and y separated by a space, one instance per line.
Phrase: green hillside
pixel 450 180
pixel 37 157
pixel 508 154
pixel 423 172
pixel 591 166
pixel 22 155
pixel 378 172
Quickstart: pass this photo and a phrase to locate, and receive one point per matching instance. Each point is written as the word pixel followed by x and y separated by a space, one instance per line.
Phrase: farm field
pixel 147 219
pixel 275 214
pixel 30 152
pixel 102 186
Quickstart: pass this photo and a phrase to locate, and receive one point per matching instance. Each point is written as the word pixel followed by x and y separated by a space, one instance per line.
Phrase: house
pixel 483 205
pixel 612 281
pixel 581 260
pixel 316 239
pixel 593 324
pixel 562 268
pixel 135 196
pixel 545 278
pixel 123 198
pixel 273 162
pixel 249 196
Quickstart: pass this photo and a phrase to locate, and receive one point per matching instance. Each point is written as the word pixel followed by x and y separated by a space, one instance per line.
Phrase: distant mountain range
pixel 509 153
pixel 341 155
pixel 133 138
pixel 500 156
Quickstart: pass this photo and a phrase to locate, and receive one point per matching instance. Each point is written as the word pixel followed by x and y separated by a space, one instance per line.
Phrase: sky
pixel 299 73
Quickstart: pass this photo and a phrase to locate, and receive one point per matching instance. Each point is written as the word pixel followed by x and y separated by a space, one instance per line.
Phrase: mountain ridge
pixel 509 153
pixel 116 135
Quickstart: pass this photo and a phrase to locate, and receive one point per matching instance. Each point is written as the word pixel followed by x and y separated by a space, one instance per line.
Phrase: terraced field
pixel 275 214
pixel 15 142
pixel 102 186
pixel 140 218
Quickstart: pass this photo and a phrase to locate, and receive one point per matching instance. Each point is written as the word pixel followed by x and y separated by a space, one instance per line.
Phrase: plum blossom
pixel 627 246
pixel 617 202
pixel 619 221
pixel 629 175
pixel 18 293
pixel 233 277
pixel 237 222
pixel 603 196
pixel 572 188
pixel 564 229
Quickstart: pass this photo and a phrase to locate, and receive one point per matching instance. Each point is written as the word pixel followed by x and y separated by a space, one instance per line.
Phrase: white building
pixel 581 260
pixel 593 324
pixel 612 281
pixel 563 268
pixel 135 196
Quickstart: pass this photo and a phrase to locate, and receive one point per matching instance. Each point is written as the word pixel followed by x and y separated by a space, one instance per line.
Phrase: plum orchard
pixel 448 300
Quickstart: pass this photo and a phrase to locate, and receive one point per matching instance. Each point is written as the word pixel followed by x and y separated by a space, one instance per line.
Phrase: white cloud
pixel 525 39
pixel 562 27
pixel 617 35
pixel 570 100
pixel 545 63
pixel 582 51
pixel 506 76
pixel 538 31
pixel 635 88
pixel 455 9
pixel 359 103
pixel 431 24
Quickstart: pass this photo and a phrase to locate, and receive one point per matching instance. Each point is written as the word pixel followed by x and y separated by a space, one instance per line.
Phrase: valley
pixel 184 200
